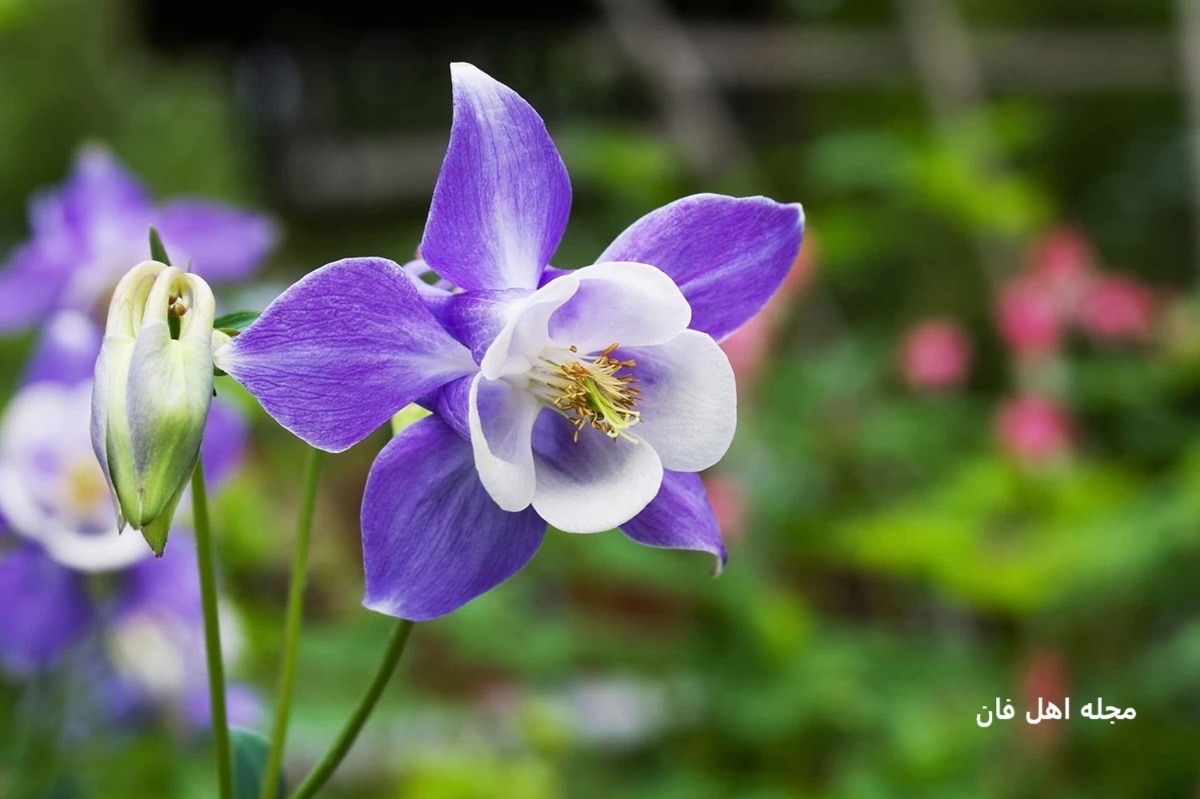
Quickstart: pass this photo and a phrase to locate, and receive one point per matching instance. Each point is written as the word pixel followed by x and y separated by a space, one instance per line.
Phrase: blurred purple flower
pixel 59 530
pixel 65 351
pixel 584 399
pixel 155 642
pixel 44 609
pixel 243 706
pixel 51 488
pixel 89 231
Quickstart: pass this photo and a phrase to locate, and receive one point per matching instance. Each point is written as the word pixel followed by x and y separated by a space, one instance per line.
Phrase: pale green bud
pixel 152 392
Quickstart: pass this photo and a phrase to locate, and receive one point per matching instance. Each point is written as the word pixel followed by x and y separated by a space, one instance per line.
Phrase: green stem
pixel 291 635
pixel 212 632
pixel 341 745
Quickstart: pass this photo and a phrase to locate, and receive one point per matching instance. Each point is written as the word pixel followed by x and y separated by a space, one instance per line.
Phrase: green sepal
pixel 157 251
pixel 156 531
pixel 238 320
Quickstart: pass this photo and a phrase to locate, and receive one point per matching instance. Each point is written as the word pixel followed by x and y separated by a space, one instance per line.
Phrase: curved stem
pixel 291 636
pixel 212 632
pixel 341 745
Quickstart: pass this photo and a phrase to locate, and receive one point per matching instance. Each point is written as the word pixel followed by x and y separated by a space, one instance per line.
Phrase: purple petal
pixel 502 199
pixel 94 225
pixel 343 349
pixel 552 273
pixel 169 584
pixel 418 271
pixel 243 706
pixel 66 351
pixel 680 517
pixel 30 284
pixel 44 609
pixel 100 191
pixel 224 442
pixel 433 539
pixel 81 234
pixel 219 241
pixel 453 404
pixel 728 255
pixel 476 317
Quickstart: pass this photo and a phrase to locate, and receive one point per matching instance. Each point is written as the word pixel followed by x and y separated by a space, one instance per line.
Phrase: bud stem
pixel 291 637
pixel 341 745
pixel 212 632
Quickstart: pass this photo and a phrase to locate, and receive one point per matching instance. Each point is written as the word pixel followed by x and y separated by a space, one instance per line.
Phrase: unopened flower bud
pixel 153 387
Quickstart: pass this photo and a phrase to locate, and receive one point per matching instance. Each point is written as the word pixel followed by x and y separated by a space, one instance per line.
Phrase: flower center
pixel 85 487
pixel 595 391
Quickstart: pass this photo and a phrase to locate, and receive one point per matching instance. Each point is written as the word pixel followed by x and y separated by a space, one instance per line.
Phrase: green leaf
pixel 238 320
pixel 157 251
pixel 65 788
pixel 250 751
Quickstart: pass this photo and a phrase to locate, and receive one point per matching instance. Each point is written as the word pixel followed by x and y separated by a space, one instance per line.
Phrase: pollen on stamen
pixel 593 391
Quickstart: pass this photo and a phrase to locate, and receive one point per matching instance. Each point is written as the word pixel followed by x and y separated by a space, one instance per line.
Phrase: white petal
pixel 689 400
pixel 501 419
pixel 95 552
pixel 526 333
pixel 44 437
pixel 44 451
pixel 594 484
pixel 620 302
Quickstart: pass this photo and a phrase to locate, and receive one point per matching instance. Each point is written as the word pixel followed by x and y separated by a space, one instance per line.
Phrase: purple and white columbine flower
pixel 88 232
pixel 585 399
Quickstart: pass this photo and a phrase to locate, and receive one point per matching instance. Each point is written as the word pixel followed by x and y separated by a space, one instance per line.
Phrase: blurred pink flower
pixel 1063 261
pixel 935 354
pixel 1033 429
pixel 1116 308
pixel 1045 678
pixel 1029 317
pixel 797 278
pixel 728 500
pixel 748 348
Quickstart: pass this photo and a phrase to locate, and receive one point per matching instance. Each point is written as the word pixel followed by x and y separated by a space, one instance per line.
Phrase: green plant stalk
pixel 341 745
pixel 291 636
pixel 212 632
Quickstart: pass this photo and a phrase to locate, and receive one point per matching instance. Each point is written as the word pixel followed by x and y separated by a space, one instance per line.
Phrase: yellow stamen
pixel 590 391
pixel 85 487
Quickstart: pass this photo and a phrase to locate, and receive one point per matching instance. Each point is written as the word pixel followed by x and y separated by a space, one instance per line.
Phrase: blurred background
pixel 968 464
